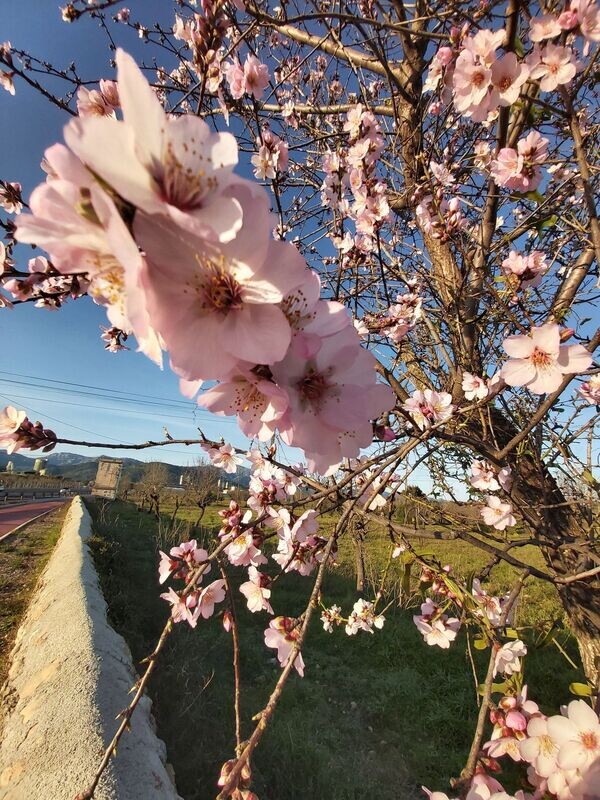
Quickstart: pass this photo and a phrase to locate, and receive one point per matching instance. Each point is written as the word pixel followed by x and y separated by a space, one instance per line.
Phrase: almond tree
pixel 432 172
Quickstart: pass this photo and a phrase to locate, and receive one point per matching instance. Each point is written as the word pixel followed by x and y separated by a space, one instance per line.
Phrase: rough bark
pixel 570 545
pixel 568 550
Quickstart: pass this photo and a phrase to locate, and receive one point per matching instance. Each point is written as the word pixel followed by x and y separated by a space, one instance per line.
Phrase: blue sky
pixel 42 347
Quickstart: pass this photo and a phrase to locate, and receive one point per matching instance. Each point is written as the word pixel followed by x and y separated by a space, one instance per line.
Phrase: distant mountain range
pixel 83 468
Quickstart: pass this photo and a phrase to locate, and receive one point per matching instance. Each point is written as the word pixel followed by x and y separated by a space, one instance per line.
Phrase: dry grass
pixel 22 558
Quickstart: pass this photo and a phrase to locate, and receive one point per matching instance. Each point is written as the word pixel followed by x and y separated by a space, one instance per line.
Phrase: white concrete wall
pixel 70 677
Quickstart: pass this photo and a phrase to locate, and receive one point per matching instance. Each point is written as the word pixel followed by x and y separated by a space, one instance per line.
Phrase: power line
pixel 122 410
pixel 88 386
pixel 174 404
pixel 95 433
pixel 62 422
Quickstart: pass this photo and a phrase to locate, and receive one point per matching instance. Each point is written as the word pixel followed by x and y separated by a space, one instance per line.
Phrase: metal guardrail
pixel 11 496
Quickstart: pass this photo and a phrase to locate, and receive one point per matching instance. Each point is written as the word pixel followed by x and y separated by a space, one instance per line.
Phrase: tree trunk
pixel 589 648
pixel 534 486
pixel 569 542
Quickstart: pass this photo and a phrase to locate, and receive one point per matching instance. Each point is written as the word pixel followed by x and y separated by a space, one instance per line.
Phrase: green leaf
pixel 549 635
pixel 549 222
pixel 519 49
pixel 511 633
pixel 580 689
pixel 453 586
pixel 480 643
pixel 537 197
pixel 469 578
pixel 589 478
pixel 470 603
pixel 497 688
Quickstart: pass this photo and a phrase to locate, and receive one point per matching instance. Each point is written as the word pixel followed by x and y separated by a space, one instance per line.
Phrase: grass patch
pixel 22 558
pixel 375 716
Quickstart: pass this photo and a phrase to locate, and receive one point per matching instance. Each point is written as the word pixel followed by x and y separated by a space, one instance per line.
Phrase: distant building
pixel 10 467
pixel 107 478
pixel 39 465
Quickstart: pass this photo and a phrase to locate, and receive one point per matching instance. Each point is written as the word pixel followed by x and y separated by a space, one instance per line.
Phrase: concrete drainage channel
pixel 69 678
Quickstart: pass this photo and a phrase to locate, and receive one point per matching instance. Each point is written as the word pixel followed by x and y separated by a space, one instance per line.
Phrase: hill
pixel 72 466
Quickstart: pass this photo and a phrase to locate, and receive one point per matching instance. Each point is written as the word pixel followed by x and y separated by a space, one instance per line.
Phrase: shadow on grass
pixel 375 716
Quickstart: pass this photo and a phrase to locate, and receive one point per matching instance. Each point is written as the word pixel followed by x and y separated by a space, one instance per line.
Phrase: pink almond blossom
pixel 528 269
pixel 225 458
pixel 282 634
pixel 508 658
pixel 498 514
pixel 242 551
pixel 181 607
pixel 226 297
pixel 474 387
pixel 539 362
pixel 180 560
pixel 508 76
pixel 505 478
pixel 10 421
pixel 545 27
pixel 436 628
pixel 471 81
pixel 590 390
pixel 483 477
pixel 209 596
pixel 507 169
pixel 484 43
pixel 491 605
pixel 258 403
pixel 164 165
pixel 256 591
pixel 80 227
pixel 588 16
pixel 333 396
pixel 305 526
pixel 363 618
pixel 554 65
pixel 331 617
pixel 577 735
pixel 252 78
pixel 93 103
pixel 256 77
pixel 6 82
pixel 539 749
pixel 10 197
pixel 429 407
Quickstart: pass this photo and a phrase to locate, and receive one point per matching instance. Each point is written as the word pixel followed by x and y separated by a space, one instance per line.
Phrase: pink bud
pixel 516 721
pixel 384 433
pixel 568 20
pixel 227 620
pixel 444 56
pixel 566 334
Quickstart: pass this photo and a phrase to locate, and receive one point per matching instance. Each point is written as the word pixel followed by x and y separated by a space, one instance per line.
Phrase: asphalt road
pixel 13 516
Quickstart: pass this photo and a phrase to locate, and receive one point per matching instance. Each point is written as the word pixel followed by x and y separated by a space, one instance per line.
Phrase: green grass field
pixel 374 717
